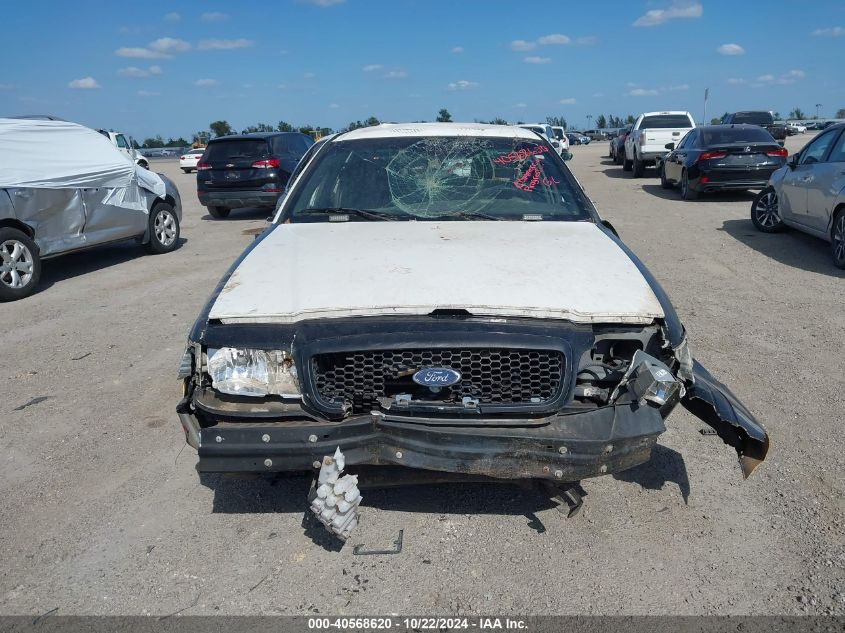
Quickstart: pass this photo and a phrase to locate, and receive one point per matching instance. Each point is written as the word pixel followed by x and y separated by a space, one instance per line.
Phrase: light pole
pixel 818 105
pixel 589 120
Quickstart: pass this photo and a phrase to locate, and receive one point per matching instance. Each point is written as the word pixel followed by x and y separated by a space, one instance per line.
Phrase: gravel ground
pixel 103 512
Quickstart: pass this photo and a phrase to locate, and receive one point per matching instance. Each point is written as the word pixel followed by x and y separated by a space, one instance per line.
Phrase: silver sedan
pixel 808 193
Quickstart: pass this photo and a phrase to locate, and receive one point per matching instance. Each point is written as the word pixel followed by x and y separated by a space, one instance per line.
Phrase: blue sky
pixel 170 68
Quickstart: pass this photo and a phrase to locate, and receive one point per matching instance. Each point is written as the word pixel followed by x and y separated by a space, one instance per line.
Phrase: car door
pixel 675 160
pixel 797 180
pixel 108 222
pixel 56 215
pixel 823 189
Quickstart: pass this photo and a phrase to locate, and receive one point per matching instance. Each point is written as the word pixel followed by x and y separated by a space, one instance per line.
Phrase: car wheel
pixel 765 212
pixel 164 229
pixel 219 212
pixel 20 265
pixel 663 182
pixel 626 164
pixel 687 192
pixel 837 242
pixel 638 167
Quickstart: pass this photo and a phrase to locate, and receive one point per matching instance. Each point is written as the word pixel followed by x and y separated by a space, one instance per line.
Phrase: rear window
pixel 248 149
pixel 659 121
pixel 719 136
pixel 296 144
pixel 754 118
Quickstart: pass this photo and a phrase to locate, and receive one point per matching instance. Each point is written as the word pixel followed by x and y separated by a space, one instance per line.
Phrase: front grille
pixel 491 376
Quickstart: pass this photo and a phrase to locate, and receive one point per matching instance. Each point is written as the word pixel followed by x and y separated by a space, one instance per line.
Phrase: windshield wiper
pixel 475 215
pixel 369 214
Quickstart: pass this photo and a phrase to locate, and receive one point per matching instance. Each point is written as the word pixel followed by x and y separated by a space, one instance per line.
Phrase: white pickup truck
pixel 647 140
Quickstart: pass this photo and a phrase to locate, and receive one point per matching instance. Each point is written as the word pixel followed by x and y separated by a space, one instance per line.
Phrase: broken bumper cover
pixel 715 404
pixel 567 447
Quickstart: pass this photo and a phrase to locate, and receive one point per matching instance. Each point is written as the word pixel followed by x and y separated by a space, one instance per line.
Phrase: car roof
pixel 253 136
pixel 399 130
pixel 666 112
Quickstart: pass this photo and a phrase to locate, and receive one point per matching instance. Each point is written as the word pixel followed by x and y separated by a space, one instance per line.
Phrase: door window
pixel 121 141
pixel 838 153
pixel 816 150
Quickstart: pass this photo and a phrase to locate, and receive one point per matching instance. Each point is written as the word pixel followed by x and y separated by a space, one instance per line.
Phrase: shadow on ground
pixel 240 215
pixel 665 466
pixel 791 248
pixel 720 197
pixel 76 264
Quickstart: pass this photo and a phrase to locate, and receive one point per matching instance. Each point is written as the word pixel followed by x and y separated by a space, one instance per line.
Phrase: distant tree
pixel 715 121
pixel 284 126
pixel 153 142
pixel 305 129
pixel 840 113
pixel 371 121
pixel 601 122
pixel 443 116
pixel 797 113
pixel 498 121
pixel 176 142
pixel 630 119
pixel 557 121
pixel 776 116
pixel 354 125
pixel 220 128
pixel 200 138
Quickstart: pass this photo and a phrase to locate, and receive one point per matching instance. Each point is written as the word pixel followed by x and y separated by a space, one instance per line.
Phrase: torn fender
pixel 715 404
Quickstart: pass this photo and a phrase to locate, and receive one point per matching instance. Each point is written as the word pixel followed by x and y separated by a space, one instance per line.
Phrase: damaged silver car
pixel 51 204
pixel 442 297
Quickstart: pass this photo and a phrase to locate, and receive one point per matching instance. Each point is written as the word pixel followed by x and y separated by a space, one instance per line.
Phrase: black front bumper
pixel 567 447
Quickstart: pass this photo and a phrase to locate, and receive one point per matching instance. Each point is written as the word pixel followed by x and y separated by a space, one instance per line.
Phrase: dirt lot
pixel 103 513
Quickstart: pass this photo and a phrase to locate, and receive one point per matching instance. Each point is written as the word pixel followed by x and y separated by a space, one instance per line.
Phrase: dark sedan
pixel 721 157
pixel 617 145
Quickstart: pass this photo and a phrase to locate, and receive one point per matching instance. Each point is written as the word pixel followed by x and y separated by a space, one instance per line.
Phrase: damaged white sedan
pixel 443 297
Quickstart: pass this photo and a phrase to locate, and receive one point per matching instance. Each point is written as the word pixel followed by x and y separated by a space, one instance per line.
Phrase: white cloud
pixel 147 93
pixel 86 83
pixel 678 9
pixel 323 3
pixel 462 84
pixel 765 78
pixel 458 50
pixel 139 53
pixel 395 74
pixel 172 17
pixel 554 38
pixel 134 71
pixel 836 31
pixel 214 16
pixel 537 60
pixel 641 92
pixel 372 68
pixel 791 77
pixel 737 81
pixel 333 106
pixel 730 49
pixel 224 45
pixel 206 83
pixel 567 101
pixel 168 45
pixel 522 45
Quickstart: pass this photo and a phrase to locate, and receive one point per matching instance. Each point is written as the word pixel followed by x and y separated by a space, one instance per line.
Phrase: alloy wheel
pixel 839 238
pixel 164 227
pixel 16 266
pixel 766 210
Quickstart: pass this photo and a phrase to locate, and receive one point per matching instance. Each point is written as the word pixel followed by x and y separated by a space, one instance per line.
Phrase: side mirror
pixel 610 227
pixel 669 146
pixel 792 161
pixel 566 155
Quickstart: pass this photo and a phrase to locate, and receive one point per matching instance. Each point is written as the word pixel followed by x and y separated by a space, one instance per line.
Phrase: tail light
pixel 778 152
pixel 710 156
pixel 270 163
pixel 202 166
pixel 183 158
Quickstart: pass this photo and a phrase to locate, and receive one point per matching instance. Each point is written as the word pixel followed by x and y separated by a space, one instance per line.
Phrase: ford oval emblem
pixel 437 377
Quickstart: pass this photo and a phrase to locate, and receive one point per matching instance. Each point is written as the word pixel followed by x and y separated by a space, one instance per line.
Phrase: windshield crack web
pixel 436 177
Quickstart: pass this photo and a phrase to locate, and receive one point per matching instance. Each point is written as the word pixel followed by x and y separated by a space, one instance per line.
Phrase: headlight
pixel 253 372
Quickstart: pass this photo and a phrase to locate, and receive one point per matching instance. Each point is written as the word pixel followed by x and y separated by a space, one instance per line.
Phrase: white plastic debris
pixel 337 499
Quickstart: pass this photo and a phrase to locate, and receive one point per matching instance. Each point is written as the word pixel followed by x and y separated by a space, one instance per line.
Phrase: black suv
pixel 248 170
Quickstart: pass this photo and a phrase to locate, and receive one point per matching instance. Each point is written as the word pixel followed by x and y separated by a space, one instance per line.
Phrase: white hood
pixel 558 270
